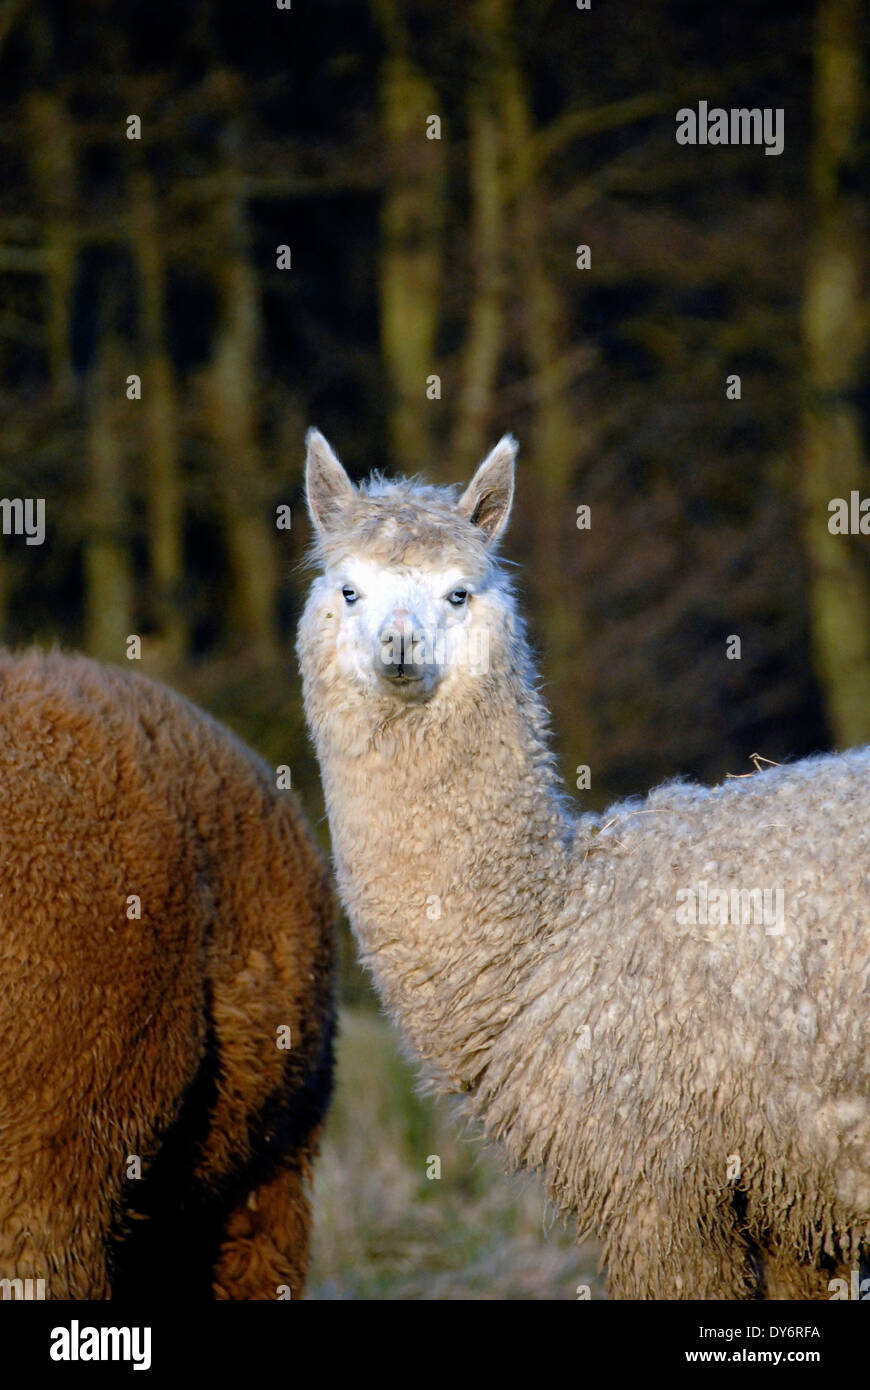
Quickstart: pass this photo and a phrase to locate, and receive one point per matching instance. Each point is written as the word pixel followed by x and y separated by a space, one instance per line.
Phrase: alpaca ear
pixel 327 486
pixel 487 499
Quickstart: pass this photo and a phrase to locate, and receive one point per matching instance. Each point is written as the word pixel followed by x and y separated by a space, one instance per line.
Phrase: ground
pixel 383 1230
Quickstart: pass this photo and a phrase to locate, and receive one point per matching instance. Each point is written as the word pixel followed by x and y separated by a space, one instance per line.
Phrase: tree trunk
pixel 486 173
pixel 557 444
pixel 108 598
pixel 163 490
pixel 411 259
pixel 233 420
pixel 835 337
pixel 52 160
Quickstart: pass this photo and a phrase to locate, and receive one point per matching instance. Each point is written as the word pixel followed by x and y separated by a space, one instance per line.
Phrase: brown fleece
pixel 153 1037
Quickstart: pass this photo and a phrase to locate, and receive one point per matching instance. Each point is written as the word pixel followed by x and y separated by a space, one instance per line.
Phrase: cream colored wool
pixel 153 1036
pixel 698 1094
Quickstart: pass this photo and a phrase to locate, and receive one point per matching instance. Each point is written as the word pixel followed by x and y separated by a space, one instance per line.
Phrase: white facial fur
pixel 449 642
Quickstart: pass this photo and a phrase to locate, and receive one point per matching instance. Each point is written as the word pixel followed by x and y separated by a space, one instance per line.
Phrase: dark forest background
pixel 411 257
pixel 307 128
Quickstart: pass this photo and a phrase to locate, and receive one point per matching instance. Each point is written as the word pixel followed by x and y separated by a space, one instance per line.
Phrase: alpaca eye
pixel 350 595
pixel 458 597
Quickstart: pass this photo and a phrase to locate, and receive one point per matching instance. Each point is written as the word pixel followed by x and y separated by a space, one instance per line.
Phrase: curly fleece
pixel 697 1093
pixel 154 1037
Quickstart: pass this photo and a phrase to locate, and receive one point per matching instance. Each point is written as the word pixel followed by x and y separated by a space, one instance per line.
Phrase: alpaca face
pixel 403 630
pixel 411 603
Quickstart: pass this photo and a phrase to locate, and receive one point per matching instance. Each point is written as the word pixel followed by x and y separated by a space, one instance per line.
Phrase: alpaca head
pixel 411 602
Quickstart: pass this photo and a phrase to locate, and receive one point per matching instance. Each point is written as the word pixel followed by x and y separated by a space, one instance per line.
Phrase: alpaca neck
pixel 451 847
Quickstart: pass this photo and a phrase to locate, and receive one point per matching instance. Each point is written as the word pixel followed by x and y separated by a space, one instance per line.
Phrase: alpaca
pixel 617 999
pixel 163 915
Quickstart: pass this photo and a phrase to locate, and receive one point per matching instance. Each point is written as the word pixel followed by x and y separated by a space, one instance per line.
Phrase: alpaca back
pixel 707 984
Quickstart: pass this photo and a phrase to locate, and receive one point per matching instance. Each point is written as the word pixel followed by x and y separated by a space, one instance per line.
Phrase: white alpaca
pixel 683 1058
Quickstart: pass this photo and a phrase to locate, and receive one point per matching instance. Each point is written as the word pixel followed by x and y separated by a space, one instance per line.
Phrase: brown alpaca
pixel 155 1036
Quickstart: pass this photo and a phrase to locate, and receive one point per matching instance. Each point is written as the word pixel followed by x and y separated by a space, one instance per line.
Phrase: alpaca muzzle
pixel 401 653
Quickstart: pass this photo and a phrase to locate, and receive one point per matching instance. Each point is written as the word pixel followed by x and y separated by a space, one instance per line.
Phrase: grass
pixel 384 1230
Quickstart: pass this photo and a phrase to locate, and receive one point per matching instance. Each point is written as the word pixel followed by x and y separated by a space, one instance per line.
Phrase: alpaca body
pixel 725 1060
pixel 153 1036
pixel 696 1090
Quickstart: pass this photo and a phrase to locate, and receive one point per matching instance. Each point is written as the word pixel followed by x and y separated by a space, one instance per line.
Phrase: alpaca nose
pixel 399 647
